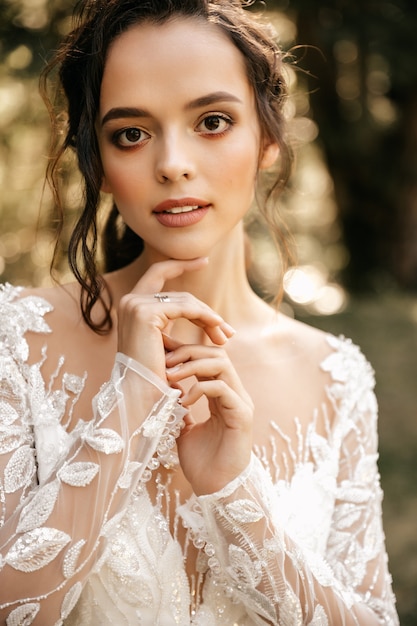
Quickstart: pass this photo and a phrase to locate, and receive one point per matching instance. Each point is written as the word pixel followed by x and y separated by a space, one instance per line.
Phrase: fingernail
pixel 227 329
pixel 171 370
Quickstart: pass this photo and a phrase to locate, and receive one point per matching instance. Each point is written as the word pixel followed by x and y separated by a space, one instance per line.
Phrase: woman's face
pixel 179 136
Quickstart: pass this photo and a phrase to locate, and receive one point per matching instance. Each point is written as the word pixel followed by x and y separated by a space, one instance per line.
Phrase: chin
pixel 185 253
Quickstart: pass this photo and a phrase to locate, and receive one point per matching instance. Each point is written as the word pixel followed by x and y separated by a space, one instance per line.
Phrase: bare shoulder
pixel 296 339
pixel 66 336
pixel 321 352
pixel 282 342
pixel 63 299
pixel 60 307
pixel 288 348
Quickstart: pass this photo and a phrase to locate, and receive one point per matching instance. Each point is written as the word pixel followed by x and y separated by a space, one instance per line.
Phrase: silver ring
pixel 162 297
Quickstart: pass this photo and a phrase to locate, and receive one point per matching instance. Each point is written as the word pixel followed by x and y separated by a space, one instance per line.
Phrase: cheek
pixel 121 177
pixel 242 174
pixel 238 166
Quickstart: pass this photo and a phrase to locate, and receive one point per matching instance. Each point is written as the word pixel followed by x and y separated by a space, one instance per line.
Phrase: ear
pixel 269 156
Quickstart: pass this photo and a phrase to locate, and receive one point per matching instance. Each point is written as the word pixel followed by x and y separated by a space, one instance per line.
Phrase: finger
pixel 156 276
pixel 209 370
pixel 210 389
pixel 232 409
pixel 210 359
pixel 206 369
pixel 181 352
pixel 183 305
pixel 179 305
pixel 170 343
pixel 189 423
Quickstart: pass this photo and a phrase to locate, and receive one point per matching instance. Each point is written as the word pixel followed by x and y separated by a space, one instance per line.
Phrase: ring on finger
pixel 162 297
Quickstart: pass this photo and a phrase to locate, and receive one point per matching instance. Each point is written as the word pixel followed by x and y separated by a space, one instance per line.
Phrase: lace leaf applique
pixel 71 558
pixel 243 568
pixel 290 612
pixel 365 471
pixel 37 548
pixel 134 590
pixel 19 470
pixel 372 540
pixel 244 511
pixel 275 544
pixel 78 474
pixel 8 413
pixel 39 508
pixel 106 399
pixel 37 308
pixel 24 615
pixel 74 384
pixel 11 437
pixel 105 440
pixel 338 542
pixel 158 534
pixel 71 599
pixel 346 515
pixel 320 569
pixel 353 493
pixel 125 479
pixel 319 617
pixel 17 316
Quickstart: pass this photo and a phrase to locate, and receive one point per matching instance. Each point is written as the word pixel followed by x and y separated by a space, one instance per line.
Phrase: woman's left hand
pixel 216 451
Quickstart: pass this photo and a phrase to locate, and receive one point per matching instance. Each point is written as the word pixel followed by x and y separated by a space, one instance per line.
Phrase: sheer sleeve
pixel 281 581
pixel 53 523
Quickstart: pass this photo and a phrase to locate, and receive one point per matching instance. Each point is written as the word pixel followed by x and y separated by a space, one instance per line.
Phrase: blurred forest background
pixel 352 203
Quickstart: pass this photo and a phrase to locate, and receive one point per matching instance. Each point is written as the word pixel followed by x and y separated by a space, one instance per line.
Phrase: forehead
pixel 183 53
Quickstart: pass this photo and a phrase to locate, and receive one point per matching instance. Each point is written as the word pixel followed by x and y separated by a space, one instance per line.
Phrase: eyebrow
pixel 130 112
pixel 123 112
pixel 212 98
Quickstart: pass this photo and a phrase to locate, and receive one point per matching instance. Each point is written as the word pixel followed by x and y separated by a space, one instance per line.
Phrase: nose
pixel 174 160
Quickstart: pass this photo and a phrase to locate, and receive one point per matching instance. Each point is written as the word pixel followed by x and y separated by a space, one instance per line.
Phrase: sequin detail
pixel 78 474
pixel 39 508
pixel 71 558
pixel 24 615
pixel 36 548
pixel 20 469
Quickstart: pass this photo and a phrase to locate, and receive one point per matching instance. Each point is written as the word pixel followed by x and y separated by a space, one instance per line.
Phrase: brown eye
pixel 214 124
pixel 130 137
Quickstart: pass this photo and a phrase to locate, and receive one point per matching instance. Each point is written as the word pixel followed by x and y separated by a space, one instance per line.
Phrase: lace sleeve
pixel 51 533
pixel 255 559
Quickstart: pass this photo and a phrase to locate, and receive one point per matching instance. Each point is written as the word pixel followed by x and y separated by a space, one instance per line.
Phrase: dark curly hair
pixel 80 63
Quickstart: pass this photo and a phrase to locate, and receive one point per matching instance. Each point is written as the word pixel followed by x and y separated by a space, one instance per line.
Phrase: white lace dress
pixel 82 543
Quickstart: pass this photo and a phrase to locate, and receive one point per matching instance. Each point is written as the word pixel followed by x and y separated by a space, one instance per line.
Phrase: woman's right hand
pixel 143 318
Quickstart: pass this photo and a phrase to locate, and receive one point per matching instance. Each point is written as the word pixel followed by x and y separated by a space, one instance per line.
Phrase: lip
pixel 181 219
pixel 173 203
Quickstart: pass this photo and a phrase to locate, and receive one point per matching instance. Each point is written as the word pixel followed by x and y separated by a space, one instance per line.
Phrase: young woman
pixel 173 449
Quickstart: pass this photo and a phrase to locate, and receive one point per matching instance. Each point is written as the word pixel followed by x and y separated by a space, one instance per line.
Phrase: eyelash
pixel 116 137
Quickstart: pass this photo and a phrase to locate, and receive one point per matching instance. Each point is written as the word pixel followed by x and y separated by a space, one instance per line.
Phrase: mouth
pixel 180 205
pixel 182 209
pixel 181 212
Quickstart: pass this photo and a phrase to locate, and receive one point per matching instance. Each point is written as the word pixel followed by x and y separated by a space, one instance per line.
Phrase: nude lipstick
pixel 181 212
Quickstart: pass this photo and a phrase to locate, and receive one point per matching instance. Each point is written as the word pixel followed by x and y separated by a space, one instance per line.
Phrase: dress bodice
pixel 84 543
